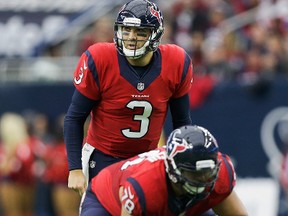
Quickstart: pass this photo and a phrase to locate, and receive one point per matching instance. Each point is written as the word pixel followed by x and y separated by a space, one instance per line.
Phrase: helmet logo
pixel 177 145
pixel 156 14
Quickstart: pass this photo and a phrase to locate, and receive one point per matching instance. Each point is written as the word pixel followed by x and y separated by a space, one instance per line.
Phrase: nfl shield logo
pixel 92 164
pixel 140 86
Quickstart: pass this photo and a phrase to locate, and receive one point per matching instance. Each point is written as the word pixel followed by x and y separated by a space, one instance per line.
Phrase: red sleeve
pixel 177 65
pixel 227 177
pixel 186 77
pixel 130 199
pixel 84 81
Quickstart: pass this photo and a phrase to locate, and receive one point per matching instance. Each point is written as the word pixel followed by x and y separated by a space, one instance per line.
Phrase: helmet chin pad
pixel 135 53
pixel 193 190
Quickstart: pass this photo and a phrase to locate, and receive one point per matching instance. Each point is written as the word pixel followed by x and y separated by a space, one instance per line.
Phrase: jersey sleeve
pixel 132 197
pixel 177 65
pixel 227 175
pixel 85 76
pixel 186 77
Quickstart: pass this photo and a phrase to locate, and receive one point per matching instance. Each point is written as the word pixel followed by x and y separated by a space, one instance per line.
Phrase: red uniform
pixel 147 189
pixel 20 167
pixel 56 161
pixel 129 109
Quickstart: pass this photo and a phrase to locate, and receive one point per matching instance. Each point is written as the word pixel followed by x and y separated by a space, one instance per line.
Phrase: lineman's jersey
pixel 145 190
pixel 131 111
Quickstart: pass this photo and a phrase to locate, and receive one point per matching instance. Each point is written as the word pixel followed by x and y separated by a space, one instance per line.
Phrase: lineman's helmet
pixel 192 159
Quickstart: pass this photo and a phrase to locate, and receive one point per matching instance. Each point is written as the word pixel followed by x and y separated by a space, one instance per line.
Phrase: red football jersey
pixel 131 111
pixel 145 189
pixel 19 167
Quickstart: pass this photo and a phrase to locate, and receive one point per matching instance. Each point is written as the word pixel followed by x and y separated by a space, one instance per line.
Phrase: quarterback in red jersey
pixel 188 176
pixel 126 87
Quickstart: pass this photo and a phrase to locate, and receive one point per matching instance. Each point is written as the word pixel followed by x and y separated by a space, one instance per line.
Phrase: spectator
pixel 99 31
pixel 17 181
pixel 39 127
pixel 65 202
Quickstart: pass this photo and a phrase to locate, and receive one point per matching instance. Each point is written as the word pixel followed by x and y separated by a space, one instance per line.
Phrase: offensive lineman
pixel 187 177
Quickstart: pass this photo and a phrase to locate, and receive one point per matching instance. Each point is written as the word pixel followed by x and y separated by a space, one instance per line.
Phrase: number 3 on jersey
pixel 143 118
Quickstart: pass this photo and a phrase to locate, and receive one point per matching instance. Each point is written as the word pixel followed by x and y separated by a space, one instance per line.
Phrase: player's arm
pixel 180 103
pixel 124 212
pixel 132 198
pixel 231 206
pixel 75 118
pixel 180 111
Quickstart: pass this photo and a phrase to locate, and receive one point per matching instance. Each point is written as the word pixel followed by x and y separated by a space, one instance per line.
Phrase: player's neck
pixel 141 62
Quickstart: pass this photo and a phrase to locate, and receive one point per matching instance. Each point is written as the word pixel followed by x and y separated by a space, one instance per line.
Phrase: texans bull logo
pixel 178 144
pixel 156 14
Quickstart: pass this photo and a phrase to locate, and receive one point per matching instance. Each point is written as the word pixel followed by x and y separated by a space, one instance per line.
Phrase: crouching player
pixel 188 176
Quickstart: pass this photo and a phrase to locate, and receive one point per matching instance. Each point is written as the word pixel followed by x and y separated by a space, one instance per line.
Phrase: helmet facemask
pixel 197 182
pixel 200 182
pixel 133 53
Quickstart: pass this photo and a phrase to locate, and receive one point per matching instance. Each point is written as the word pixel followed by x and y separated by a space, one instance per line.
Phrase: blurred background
pixel 239 49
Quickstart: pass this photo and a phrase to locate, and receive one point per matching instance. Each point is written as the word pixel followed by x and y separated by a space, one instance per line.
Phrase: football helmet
pixel 140 14
pixel 192 160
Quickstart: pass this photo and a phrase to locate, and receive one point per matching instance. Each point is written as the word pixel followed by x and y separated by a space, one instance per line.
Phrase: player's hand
pixel 77 181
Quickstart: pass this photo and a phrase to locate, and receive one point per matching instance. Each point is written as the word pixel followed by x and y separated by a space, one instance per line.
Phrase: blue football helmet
pixel 192 160
pixel 141 14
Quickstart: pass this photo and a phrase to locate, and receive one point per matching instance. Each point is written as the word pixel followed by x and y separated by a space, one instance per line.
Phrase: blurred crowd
pixel 32 151
pixel 228 40
pixel 33 167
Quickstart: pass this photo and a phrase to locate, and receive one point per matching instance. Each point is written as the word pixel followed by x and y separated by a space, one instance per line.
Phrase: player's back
pixel 145 179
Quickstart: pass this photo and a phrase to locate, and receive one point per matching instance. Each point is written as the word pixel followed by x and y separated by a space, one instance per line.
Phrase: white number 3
pixel 143 118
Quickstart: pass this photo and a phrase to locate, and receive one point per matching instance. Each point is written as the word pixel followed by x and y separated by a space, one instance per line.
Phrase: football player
pixel 126 87
pixel 188 176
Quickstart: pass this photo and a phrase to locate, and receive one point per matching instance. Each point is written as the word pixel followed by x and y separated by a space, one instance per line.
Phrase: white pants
pixel 87 151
